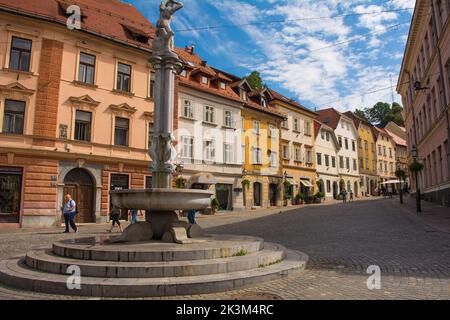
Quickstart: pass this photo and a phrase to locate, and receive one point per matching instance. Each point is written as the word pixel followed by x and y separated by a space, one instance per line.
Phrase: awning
pixel 291 181
pixel 203 178
pixel 391 182
pixel 306 183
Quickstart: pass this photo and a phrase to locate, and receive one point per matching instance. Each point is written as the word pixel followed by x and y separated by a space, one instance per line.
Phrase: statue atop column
pixel 164 33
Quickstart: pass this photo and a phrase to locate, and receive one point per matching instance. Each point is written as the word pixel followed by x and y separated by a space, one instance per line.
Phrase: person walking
pixel 344 196
pixel 134 216
pixel 191 216
pixel 351 196
pixel 115 216
pixel 70 212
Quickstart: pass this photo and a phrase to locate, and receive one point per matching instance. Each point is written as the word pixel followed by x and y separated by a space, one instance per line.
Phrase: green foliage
pixel 181 183
pixel 255 81
pixel 320 195
pixel 287 196
pixel 241 253
pixel 215 203
pixel 246 183
pixel 415 167
pixel 300 197
pixel 382 113
pixel 270 264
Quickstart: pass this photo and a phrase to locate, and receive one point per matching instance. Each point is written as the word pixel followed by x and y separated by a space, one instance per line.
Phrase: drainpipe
pixel 441 71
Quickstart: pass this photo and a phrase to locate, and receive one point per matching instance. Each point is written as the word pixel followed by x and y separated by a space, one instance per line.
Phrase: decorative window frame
pixel 83 103
pixel 123 60
pixel 15 91
pixel 126 111
pixel 82 47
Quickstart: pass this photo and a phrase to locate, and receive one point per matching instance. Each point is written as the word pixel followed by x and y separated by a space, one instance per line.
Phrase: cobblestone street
pixel 342 240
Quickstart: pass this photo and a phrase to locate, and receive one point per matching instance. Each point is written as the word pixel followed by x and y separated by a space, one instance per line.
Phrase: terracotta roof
pixel 398 141
pixel 377 131
pixel 106 18
pixel 278 96
pixel 270 110
pixel 330 117
pixel 228 93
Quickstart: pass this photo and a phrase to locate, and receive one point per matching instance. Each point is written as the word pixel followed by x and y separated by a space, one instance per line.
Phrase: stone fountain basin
pixel 162 199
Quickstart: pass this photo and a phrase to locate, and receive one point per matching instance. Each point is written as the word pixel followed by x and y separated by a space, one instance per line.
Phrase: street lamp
pixel 415 156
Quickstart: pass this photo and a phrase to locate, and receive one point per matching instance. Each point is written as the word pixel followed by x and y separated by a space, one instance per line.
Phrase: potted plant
pixel 215 205
pixel 300 198
pixel 246 183
pixel 287 197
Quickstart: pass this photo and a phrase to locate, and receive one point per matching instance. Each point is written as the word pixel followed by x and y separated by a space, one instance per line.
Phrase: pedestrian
pixel 70 212
pixel 344 196
pixel 351 196
pixel 134 216
pixel 191 216
pixel 115 216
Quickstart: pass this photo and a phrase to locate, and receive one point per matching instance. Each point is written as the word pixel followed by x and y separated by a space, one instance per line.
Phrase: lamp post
pixel 415 156
pixel 400 175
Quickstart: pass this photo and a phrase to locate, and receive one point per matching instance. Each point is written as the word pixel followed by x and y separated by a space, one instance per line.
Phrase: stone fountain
pixel 162 256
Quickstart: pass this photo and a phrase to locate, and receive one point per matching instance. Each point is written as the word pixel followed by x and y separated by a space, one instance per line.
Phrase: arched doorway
pixel 335 190
pixel 321 186
pixel 257 189
pixel 341 186
pixel 356 189
pixel 79 184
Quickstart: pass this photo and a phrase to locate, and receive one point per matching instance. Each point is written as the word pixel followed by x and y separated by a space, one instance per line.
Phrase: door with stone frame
pixel 79 184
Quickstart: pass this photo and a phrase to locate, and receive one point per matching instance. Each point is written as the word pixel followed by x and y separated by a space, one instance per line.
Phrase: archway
pixel 335 190
pixel 257 196
pixel 341 186
pixel 273 194
pixel 321 186
pixel 79 183
pixel 356 189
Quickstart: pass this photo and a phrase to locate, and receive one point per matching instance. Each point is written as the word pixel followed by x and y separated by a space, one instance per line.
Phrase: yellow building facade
pixel 262 173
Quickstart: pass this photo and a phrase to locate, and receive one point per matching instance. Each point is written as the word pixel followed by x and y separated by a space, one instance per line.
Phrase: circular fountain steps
pixel 44 271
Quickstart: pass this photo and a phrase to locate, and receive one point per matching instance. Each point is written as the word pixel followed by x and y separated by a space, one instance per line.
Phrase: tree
pixel 382 113
pixel 361 114
pixel 255 81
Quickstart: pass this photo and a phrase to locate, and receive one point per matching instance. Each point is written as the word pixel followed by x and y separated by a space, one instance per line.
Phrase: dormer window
pixel 263 103
pixel 244 95
pixel 223 85
pixel 204 80
pixel 183 74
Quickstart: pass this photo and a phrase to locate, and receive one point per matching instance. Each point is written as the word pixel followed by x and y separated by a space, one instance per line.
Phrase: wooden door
pixel 79 185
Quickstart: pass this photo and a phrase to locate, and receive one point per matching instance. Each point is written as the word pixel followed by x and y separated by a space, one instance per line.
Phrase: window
pixel 307 128
pixel 298 154
pixel 228 153
pixel 379 151
pixel 328 186
pixel 381 166
pixel 319 159
pixel 121 131
pixel 346 143
pixel 188 109
pixel 263 103
pixel 391 167
pixel 355 165
pixel 328 136
pixel 367 164
pixel 385 166
pixel 361 163
pixel 223 85
pixel 151 93
pixel 390 152
pixel 285 123
pixel 243 153
pixel 228 119
pixel 244 95
pixel 353 145
pixel 83 122
pixel 285 149
pixel 256 126
pixel 209 114
pixel 341 162
pixel 13 119
pixel 272 131
pixel 342 124
pixel 86 70
pixel 183 74
pixel 327 160
pixel 204 80
pixel 309 156
pixel 20 55
pixel 384 151
pixel 333 162
pixel 322 134
pixel 296 126
pixel 187 147
pixel 256 155
pixel 340 141
pixel 366 145
pixel 210 150
pixel 123 77
pixel 150 134
pixel 347 163
pixel 274 159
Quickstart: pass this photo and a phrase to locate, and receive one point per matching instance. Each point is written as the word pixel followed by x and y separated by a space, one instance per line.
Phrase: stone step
pixel 15 273
pixel 44 260
pixel 210 247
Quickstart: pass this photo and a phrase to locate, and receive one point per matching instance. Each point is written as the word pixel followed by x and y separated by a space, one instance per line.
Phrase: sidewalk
pixel 433 215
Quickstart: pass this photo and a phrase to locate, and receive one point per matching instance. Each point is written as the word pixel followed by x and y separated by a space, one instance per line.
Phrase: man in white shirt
pixel 70 211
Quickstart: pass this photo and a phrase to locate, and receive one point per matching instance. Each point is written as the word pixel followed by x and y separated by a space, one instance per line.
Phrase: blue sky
pixel 327 62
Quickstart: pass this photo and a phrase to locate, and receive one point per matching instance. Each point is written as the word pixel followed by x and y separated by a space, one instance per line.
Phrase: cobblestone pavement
pixel 342 240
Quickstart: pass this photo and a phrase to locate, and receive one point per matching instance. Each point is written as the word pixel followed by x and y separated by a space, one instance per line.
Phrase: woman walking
pixel 115 216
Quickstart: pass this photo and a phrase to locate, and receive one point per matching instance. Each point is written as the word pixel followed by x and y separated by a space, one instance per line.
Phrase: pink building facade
pixel 424 85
